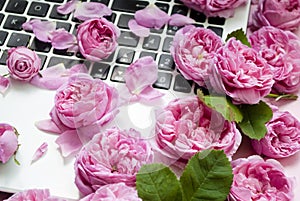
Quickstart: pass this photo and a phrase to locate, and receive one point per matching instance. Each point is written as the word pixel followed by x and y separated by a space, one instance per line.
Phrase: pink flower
pixel 282 138
pixel 97 38
pixel 113 192
pixel 284 15
pixel 23 63
pixel 83 105
pixel 111 157
pixel 191 50
pixel 139 78
pixel 221 8
pixel 34 195
pixel 241 73
pixel 186 126
pixel 281 50
pixel 256 179
pixel 8 142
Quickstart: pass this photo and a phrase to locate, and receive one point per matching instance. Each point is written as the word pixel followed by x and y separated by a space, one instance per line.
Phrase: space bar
pixel 129 5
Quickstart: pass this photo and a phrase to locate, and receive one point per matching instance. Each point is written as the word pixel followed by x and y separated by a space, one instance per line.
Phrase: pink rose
pixel 34 195
pixel 8 142
pixel 97 38
pixel 23 63
pixel 83 101
pixel 256 179
pixel 191 50
pixel 113 192
pixel 111 157
pixel 186 126
pixel 277 13
pixel 281 50
pixel 282 138
pixel 221 8
pixel 241 73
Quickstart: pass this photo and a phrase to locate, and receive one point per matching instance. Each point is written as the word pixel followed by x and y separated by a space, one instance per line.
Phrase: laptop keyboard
pixel 14 13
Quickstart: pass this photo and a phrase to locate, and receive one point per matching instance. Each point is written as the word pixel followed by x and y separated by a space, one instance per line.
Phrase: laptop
pixel 25 104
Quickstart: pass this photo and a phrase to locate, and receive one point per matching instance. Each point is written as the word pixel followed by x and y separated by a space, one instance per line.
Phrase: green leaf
pixel 156 182
pixel 255 118
pixel 239 35
pixel 223 105
pixel 207 176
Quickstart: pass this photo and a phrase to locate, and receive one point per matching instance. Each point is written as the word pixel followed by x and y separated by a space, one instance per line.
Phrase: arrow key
pixel 125 56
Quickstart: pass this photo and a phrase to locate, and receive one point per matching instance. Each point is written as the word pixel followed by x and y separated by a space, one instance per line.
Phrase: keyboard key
pixel 14 22
pixel 216 20
pixel 217 30
pixel 166 62
pixel 182 85
pixel 110 58
pixel 64 25
pixel 112 17
pixel 100 70
pixel 123 21
pixel 38 9
pixel 165 0
pixel 43 59
pixel 16 6
pixel 2 4
pixel 167 44
pixel 130 6
pixel 163 81
pixel 3 57
pixel 125 56
pixel 164 7
pixel 3 36
pixel 40 46
pixel 151 54
pixel 197 16
pixel 151 42
pixel 55 15
pixel 172 29
pixel 67 62
pixel 63 52
pixel 178 9
pixel 118 73
pixel 128 39
pixel 56 1
pixel 101 1
pixel 1 17
pixel 17 39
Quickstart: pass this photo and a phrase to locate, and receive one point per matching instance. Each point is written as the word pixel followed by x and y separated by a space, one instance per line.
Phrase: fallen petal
pixel 137 29
pixel 4 84
pixel 62 39
pixel 67 7
pixel 48 126
pixel 180 20
pixel 151 17
pixel 69 143
pixel 41 29
pixel 40 152
pixel 150 93
pixel 90 10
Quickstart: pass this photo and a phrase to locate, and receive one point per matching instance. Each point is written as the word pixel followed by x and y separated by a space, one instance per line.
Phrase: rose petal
pixel 140 76
pixel 62 39
pixel 137 29
pixel 48 126
pixel 90 10
pixel 69 143
pixel 151 17
pixel 67 7
pixel 41 29
pixel 4 84
pixel 8 145
pixel 180 20
pixel 53 77
pixel 40 152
